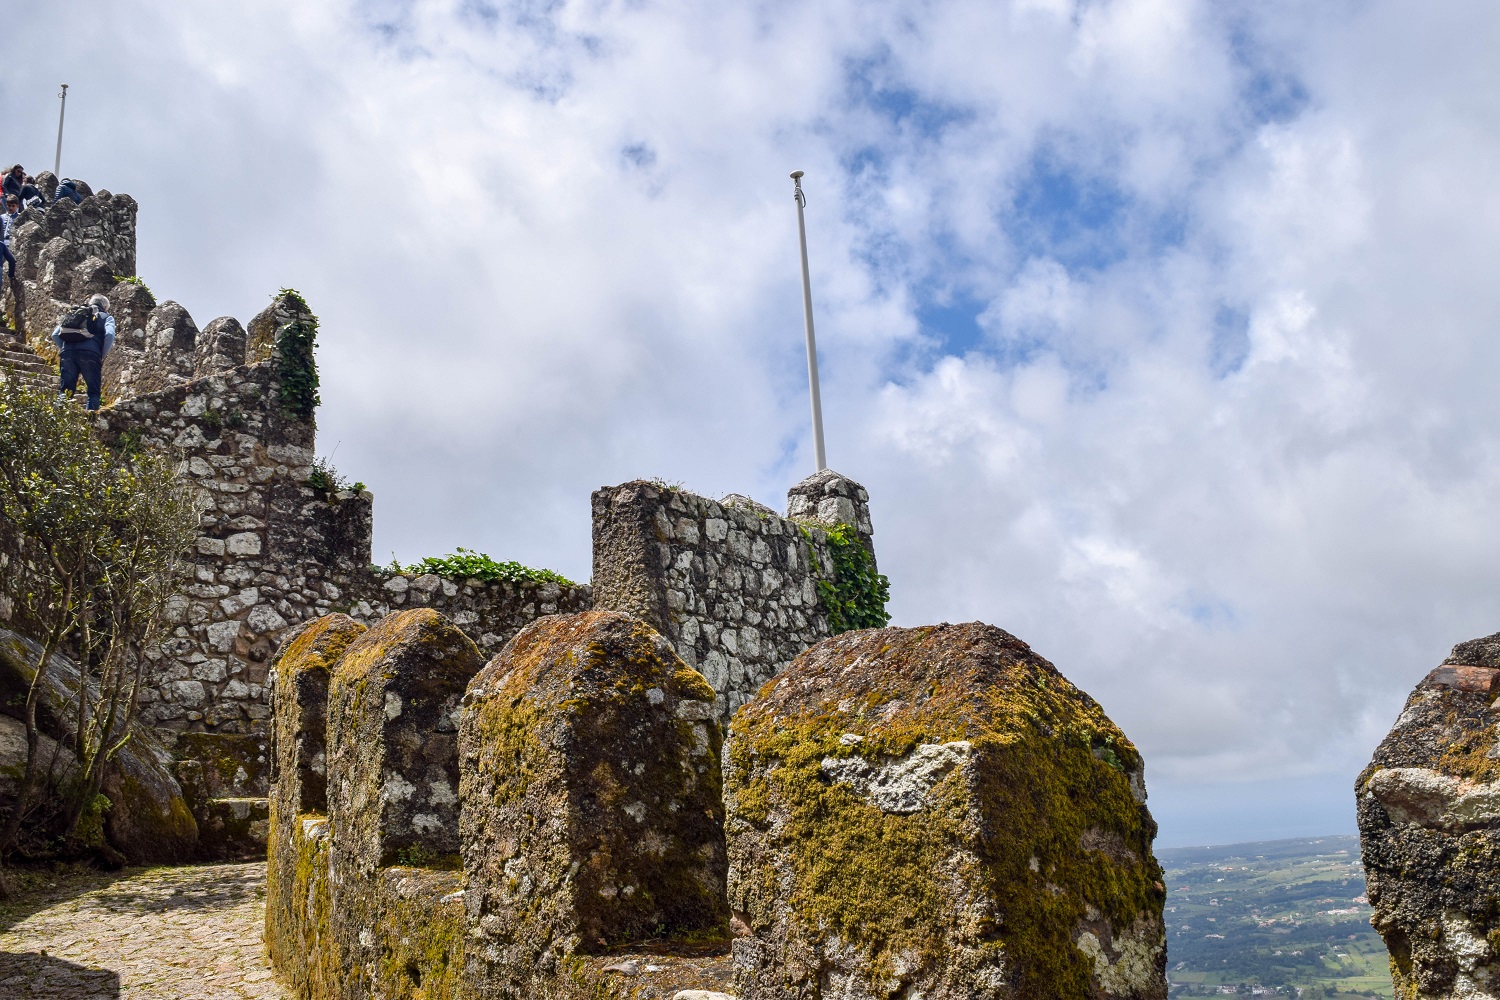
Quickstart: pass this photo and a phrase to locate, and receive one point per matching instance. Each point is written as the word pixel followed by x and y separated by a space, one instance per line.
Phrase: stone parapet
pixel 733 586
pixel 592 814
pixel 938 812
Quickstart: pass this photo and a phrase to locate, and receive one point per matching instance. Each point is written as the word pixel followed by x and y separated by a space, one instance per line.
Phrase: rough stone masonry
pixel 731 584
pixel 906 813
pixel 1429 825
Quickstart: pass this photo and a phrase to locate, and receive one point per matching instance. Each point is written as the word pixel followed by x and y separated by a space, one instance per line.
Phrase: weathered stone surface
pixel 592 808
pixel 300 677
pixel 261 334
pixel 148 821
pixel 831 498
pixel 392 739
pixel 219 347
pixel 392 769
pixel 938 812
pixel 731 585
pixel 1429 822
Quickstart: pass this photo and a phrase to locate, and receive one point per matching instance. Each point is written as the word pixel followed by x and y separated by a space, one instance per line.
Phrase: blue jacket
pixel 96 344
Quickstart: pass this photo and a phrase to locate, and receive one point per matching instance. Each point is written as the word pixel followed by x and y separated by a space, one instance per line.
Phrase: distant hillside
pixel 1280 916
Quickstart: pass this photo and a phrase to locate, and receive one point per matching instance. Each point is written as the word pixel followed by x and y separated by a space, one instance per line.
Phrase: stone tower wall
pixel 731 584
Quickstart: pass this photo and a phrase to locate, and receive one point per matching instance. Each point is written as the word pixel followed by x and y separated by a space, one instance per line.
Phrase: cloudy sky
pixel 1161 331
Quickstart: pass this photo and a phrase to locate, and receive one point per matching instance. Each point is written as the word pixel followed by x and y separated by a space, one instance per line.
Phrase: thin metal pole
pixel 62 110
pixel 812 343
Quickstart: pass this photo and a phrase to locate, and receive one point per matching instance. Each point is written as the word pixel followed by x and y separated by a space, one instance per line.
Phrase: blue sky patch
pixel 1229 345
pixel 953 321
pixel 1076 219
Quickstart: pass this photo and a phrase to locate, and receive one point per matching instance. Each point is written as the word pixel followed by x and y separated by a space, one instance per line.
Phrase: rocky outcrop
pixel 148 820
pixel 1429 822
pixel 592 809
pixel 938 812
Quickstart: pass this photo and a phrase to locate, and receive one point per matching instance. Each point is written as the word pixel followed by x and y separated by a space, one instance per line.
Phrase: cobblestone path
pixel 141 934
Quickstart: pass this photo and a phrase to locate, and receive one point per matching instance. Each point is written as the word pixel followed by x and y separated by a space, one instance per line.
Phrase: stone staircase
pixel 224 777
pixel 19 363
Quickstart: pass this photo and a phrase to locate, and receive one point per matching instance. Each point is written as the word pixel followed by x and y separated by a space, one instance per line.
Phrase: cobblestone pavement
pixel 142 934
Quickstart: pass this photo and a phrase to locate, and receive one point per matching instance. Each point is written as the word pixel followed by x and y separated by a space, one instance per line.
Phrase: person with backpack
pixel 83 339
pixel 23 187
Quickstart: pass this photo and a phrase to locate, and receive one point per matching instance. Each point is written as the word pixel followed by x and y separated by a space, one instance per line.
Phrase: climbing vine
pixel 856 596
pixel 295 365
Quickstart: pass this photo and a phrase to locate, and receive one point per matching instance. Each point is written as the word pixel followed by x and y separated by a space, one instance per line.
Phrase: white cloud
pixel 1222 443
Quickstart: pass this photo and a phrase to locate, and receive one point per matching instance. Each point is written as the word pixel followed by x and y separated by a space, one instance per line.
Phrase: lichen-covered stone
pixel 219 347
pixel 592 799
pixel 938 812
pixel 301 672
pixel 1429 823
pixel 422 930
pixel 732 585
pixel 392 768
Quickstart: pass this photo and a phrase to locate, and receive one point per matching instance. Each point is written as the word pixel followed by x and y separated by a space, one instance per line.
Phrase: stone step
pixel 234 827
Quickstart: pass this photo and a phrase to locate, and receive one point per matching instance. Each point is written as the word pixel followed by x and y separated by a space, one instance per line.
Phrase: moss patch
pixel 422 935
pixel 1052 776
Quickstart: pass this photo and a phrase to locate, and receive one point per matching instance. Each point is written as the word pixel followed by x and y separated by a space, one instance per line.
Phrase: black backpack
pixel 75 325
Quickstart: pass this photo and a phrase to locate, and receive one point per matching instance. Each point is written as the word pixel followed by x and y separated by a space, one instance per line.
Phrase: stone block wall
pixel 491 613
pixel 67 253
pixel 931 812
pixel 588 813
pixel 267 547
pixel 731 584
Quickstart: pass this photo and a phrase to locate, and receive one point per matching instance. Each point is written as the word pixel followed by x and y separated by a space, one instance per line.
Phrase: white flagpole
pixel 62 110
pixel 812 343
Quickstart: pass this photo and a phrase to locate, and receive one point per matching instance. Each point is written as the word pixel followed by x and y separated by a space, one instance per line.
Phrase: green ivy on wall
pixel 295 364
pixel 856 597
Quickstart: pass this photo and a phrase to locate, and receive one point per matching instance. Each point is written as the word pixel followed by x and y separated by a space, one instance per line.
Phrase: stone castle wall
pixel 731 584
pixel 604 840
pixel 273 552
pixel 67 253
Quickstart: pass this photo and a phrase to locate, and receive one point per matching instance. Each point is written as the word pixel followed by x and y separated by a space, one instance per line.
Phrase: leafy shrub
pixel 465 564
pixel 326 478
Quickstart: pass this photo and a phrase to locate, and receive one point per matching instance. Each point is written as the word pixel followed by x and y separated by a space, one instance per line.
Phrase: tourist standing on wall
pixel 83 341
pixel 7 223
pixel 18 184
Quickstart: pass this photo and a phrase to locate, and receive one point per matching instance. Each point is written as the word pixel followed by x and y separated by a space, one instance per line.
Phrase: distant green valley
pixel 1282 917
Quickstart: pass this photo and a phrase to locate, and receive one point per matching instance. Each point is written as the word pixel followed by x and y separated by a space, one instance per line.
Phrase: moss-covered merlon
pixel 1429 825
pixel 300 674
pixel 392 767
pixel 392 739
pixel 938 812
pixel 593 812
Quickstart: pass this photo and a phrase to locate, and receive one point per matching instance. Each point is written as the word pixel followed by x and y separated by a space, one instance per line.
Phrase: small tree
pixel 98 536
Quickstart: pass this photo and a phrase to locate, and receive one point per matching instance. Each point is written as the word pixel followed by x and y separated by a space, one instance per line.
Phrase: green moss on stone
pixel 421 935
pixel 883 881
